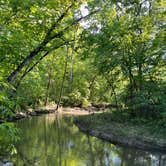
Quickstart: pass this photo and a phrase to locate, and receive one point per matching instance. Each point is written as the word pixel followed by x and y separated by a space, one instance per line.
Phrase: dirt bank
pixel 122 133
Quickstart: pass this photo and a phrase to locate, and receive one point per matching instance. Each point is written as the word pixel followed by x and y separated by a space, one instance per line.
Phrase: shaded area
pixel 124 130
pixel 54 140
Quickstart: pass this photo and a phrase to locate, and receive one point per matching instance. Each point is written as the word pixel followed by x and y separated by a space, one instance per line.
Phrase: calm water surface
pixel 55 141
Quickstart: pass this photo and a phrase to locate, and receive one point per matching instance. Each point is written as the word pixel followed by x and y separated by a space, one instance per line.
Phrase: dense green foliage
pixel 78 53
pixel 129 51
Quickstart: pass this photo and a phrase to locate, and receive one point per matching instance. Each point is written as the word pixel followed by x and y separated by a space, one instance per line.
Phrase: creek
pixel 51 140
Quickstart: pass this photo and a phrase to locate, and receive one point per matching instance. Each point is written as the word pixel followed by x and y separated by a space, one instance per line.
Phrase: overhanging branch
pixel 46 40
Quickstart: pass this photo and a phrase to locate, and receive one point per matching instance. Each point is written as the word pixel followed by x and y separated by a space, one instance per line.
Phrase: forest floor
pixel 121 130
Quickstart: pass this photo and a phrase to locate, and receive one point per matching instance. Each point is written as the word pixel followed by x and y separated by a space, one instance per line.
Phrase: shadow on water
pixel 55 141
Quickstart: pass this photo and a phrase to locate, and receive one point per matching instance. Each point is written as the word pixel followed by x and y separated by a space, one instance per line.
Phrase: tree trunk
pixel 71 72
pixel 113 89
pixel 140 77
pixel 72 60
pixel 63 79
pixel 91 87
pixel 48 86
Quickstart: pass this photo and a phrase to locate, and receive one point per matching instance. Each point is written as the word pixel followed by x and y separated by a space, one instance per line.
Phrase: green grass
pixel 121 124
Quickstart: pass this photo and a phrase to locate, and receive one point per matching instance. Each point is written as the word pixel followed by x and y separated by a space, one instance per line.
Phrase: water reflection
pixel 56 141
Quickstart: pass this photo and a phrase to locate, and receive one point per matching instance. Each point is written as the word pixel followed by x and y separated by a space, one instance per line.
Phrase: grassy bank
pixel 122 129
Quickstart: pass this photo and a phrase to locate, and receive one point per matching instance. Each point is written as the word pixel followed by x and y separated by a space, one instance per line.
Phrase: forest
pixel 86 54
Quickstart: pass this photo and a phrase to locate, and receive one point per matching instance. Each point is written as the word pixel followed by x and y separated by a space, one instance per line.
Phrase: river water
pixel 51 140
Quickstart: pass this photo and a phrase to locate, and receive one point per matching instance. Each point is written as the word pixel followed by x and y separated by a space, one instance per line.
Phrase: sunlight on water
pixel 55 141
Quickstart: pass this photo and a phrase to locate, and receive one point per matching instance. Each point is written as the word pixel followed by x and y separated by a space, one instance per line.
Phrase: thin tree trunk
pixel 131 78
pixel 72 60
pixel 140 76
pixel 48 86
pixel 91 87
pixel 113 90
pixel 71 73
pixel 63 79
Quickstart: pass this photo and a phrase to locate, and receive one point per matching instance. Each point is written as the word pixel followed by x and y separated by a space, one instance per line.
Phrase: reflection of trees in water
pixel 136 157
pixel 111 155
pixel 57 123
pixel 49 141
pixel 91 155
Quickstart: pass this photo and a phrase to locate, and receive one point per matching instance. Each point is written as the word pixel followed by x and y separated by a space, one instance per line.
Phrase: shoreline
pixel 73 111
pixel 119 139
pixel 109 136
